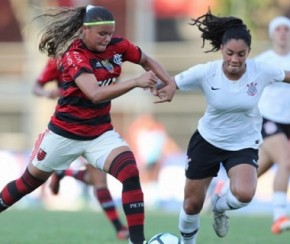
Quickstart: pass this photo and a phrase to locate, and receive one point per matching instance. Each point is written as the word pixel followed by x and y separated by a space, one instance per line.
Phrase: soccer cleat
pixel 55 181
pixel 123 234
pixel 221 220
pixel 280 225
pixel 221 224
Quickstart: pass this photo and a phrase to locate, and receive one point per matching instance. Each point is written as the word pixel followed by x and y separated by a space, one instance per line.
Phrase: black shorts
pixel 270 128
pixel 204 159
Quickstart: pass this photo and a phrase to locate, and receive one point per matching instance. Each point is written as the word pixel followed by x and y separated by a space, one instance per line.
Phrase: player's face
pixel 98 37
pixel 235 53
pixel 281 36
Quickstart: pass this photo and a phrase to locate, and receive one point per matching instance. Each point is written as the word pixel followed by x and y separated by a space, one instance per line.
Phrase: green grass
pixel 88 227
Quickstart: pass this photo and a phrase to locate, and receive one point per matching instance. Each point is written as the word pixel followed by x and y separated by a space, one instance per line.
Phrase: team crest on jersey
pixel 41 154
pixel 108 65
pixel 252 89
pixel 118 59
pixel 270 127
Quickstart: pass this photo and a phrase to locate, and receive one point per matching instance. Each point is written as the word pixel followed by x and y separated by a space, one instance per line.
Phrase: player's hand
pixel 146 80
pixel 166 93
pixel 160 84
pixel 53 94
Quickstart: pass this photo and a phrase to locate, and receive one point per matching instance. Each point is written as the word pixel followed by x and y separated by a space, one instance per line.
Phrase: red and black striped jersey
pixel 50 73
pixel 76 117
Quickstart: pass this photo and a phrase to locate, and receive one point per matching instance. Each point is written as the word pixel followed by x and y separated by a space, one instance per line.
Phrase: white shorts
pixel 54 152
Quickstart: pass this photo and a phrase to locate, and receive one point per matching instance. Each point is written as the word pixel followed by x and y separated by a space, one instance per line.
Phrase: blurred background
pixel 161 28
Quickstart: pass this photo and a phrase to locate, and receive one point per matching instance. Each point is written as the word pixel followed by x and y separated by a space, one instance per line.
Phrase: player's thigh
pixel 277 147
pixel 38 173
pixel 53 152
pixel 194 194
pixel 104 149
pixel 265 162
pixel 243 180
pixel 98 177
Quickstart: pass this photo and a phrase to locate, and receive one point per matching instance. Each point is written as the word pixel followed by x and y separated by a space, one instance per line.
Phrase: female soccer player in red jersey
pixel 91 59
pixel 90 175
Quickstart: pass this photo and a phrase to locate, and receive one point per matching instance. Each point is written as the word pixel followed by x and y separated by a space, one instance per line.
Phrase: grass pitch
pixel 88 227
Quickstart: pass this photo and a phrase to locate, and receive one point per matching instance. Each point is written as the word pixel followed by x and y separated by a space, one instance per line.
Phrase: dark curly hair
pixel 219 30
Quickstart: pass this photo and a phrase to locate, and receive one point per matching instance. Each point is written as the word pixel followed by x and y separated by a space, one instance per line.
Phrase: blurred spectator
pixel 9 26
pixel 147 138
pixel 159 160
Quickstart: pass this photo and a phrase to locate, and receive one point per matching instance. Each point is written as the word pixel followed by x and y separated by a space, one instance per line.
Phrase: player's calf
pixel 15 190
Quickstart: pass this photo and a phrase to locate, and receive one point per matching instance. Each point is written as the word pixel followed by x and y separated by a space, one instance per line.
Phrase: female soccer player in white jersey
pixel 230 130
pixel 274 107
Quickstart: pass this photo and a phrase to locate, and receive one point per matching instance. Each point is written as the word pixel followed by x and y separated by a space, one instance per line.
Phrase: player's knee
pixel 244 193
pixel 285 164
pixel 245 196
pixel 191 206
pixel 124 167
pixel 238 201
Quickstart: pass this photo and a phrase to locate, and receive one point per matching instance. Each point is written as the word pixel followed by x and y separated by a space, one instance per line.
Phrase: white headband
pixel 278 21
pixel 105 22
pixel 89 7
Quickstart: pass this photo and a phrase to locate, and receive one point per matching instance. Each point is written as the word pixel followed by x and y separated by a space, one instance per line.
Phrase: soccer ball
pixel 164 238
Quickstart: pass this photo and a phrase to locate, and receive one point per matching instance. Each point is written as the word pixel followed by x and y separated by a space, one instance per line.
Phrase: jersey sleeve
pixel 132 53
pixel 49 73
pixel 191 78
pixel 272 72
pixel 75 63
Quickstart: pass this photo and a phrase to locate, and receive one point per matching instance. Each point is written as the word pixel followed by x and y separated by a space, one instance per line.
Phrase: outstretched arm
pixel 88 84
pixel 39 90
pixel 149 63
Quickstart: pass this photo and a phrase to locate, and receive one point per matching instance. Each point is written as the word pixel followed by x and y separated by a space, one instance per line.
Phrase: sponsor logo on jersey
pixel 252 89
pixel 107 82
pixel 108 65
pixel 215 88
pixel 270 127
pixel 98 64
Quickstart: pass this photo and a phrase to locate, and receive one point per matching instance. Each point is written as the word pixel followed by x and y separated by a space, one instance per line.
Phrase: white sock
pixel 279 204
pixel 188 226
pixel 225 188
pixel 228 202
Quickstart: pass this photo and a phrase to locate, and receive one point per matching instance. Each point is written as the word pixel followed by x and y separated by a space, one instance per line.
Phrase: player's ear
pixel 85 28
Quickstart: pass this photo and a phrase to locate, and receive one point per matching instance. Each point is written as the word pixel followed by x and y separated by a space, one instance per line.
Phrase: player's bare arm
pixel 150 64
pixel 89 85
